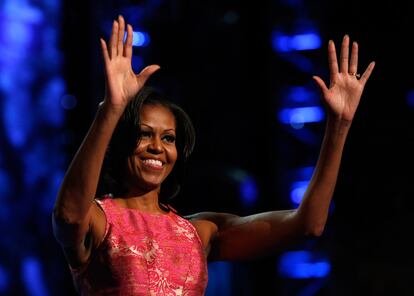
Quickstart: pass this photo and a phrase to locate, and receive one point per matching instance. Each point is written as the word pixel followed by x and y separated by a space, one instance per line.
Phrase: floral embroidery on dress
pixel 145 254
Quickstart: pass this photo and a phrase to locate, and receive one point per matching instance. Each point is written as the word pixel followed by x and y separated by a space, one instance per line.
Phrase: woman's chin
pixel 150 185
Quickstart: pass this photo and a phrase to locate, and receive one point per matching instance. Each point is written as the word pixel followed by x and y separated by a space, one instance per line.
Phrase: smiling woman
pixel 149 125
pixel 112 217
pixel 155 155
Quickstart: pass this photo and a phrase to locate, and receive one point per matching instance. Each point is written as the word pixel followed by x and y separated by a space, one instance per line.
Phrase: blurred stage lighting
pixel 297 117
pixel 303 265
pixel 248 191
pixel 219 279
pixel 32 277
pixel 295 95
pixel 4 279
pixel 295 42
pixel 410 98
pixel 140 39
pixel 297 190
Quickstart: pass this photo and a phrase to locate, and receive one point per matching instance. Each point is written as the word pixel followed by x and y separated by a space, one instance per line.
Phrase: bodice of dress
pixel 144 254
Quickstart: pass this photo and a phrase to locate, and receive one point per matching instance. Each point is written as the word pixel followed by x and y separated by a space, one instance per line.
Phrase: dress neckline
pixel 166 214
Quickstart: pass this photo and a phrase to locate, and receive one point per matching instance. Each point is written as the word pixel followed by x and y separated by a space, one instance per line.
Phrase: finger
pixel 112 42
pixel 146 73
pixel 321 84
pixel 367 73
pixel 332 61
pixel 344 55
pixel 105 53
pixel 353 63
pixel 128 42
pixel 121 34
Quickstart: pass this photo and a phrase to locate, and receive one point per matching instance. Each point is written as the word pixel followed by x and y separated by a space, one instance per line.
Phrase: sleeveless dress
pixel 144 254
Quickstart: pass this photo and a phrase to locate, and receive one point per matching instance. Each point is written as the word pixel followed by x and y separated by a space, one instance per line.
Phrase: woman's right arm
pixel 78 223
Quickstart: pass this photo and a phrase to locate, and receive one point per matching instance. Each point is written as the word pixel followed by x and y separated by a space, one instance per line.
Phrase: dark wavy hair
pixel 126 137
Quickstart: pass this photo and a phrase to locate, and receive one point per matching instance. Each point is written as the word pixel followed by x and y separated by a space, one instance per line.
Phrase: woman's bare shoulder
pixel 218 219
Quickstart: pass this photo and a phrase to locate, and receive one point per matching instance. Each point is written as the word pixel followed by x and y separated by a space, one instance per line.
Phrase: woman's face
pixel 156 153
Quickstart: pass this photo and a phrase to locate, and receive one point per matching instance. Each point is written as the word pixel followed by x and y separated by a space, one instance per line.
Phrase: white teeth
pixel 153 162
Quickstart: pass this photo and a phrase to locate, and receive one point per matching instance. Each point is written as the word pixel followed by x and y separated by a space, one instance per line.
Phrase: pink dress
pixel 144 254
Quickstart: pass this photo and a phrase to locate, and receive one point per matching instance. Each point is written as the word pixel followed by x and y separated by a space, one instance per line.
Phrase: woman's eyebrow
pixel 146 125
pixel 143 125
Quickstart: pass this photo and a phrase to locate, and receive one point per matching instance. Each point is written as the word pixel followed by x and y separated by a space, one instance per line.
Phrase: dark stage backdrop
pixel 242 70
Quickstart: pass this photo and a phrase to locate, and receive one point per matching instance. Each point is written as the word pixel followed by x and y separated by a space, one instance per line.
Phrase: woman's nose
pixel 155 146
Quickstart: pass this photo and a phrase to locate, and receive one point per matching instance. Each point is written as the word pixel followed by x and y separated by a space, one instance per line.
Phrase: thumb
pixel 320 83
pixel 147 72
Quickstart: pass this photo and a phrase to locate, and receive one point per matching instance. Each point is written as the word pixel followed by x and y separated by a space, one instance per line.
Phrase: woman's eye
pixel 145 134
pixel 169 138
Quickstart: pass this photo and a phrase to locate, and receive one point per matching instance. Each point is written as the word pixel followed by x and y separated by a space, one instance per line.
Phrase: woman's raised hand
pixel 346 86
pixel 122 84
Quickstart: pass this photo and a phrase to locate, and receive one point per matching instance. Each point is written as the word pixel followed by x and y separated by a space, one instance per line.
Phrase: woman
pixel 133 244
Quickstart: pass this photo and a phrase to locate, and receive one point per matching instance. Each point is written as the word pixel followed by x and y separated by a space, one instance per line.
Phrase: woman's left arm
pixel 253 236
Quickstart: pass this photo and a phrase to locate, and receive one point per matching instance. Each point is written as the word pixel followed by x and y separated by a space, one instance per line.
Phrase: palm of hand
pixel 122 84
pixel 343 96
pixel 345 89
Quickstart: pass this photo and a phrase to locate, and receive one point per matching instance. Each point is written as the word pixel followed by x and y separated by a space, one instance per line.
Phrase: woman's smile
pixel 153 164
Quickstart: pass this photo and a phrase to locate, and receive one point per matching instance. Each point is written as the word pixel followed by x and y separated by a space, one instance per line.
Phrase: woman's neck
pixel 146 202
